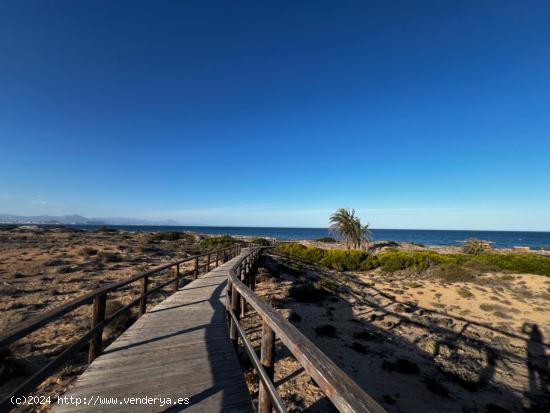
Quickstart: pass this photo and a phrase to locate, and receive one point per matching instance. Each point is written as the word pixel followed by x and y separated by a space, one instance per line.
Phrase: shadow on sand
pixel 457 374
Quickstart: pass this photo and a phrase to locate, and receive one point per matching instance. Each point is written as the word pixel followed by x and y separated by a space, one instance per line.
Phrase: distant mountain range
pixel 80 220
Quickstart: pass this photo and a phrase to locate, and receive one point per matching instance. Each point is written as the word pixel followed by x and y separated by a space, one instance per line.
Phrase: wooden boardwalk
pixel 180 349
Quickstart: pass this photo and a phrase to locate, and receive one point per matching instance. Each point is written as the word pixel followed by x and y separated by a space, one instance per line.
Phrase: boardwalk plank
pixel 179 349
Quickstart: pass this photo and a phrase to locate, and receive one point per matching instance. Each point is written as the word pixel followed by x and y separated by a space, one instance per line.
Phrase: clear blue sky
pixel 424 114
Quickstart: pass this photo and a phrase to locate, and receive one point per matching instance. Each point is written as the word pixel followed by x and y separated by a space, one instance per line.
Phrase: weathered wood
pixel 242 307
pixel 267 359
pixel 345 394
pixel 95 347
pixel 179 348
pixel 177 279
pixel 98 315
pixel 235 304
pixel 143 301
pixel 34 324
pixel 196 272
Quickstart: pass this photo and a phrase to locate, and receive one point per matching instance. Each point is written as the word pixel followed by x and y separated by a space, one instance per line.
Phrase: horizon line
pixel 284 227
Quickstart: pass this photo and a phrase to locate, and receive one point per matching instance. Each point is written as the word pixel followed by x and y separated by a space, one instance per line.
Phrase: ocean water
pixel 499 239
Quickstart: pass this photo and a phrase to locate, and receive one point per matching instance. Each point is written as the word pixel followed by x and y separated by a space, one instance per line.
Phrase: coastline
pixel 535 240
pixel 42 269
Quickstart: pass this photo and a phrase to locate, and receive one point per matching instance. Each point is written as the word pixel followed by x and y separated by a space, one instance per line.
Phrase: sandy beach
pixel 418 344
pixel 415 342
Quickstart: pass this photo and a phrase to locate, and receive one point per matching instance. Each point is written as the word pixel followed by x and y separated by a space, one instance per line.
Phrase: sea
pixel 498 239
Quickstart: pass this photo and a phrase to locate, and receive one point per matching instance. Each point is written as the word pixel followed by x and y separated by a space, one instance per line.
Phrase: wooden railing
pixel 98 299
pixel 345 394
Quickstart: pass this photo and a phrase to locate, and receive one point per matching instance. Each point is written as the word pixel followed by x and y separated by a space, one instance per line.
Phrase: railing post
pixel 228 301
pixel 235 300
pixel 217 258
pixel 208 263
pixel 196 272
pixel 253 275
pixel 177 280
pixel 267 359
pixel 143 300
pixel 98 315
pixel 244 304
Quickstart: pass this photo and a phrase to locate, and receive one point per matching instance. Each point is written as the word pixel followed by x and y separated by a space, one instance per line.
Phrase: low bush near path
pixel 465 265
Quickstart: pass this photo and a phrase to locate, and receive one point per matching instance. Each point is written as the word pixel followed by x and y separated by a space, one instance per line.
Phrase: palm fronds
pixel 347 226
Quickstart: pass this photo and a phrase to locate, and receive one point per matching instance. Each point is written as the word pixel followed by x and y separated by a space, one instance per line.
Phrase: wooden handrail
pixel 345 394
pixel 98 297
pixel 32 325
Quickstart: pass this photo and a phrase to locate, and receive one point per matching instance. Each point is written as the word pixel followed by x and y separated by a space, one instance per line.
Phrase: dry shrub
pixel 465 293
pixel 121 322
pixel 108 256
pixel 87 252
pixel 453 273
pixel 307 293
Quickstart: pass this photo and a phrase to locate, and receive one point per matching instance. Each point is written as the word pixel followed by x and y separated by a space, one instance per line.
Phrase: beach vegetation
pixel 121 322
pixel 452 272
pixel 261 241
pixel 347 226
pixel 170 236
pixel 87 251
pixel 473 246
pixel 452 267
pixel 222 241
pixel 342 260
pixel 308 292
pixel 108 256
pixel 326 239
pixel 465 293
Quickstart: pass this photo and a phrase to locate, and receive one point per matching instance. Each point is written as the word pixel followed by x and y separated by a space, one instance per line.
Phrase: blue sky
pixel 424 114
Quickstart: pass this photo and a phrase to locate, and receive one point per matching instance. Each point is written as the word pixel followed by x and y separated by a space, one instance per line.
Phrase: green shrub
pixel 370 263
pixel 451 272
pixel 170 236
pixel 400 260
pixel 479 266
pixel 326 239
pixel 301 252
pixel 222 241
pixel 262 242
pixel 520 263
pixel 327 284
pixel 465 293
pixel 394 260
pixel 344 260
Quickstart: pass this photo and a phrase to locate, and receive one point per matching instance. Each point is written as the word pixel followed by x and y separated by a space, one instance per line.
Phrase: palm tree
pixel 344 224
